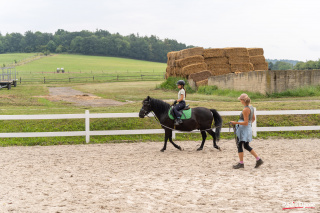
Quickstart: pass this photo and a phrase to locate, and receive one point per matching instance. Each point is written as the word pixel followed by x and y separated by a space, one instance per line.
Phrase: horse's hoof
pixel 217 147
pixel 181 149
pixel 199 149
pixel 162 150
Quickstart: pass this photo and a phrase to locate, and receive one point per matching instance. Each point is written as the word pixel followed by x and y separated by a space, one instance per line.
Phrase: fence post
pixel 93 78
pixel 254 124
pixel 87 126
pixel 44 80
pixel 20 80
pixel 173 134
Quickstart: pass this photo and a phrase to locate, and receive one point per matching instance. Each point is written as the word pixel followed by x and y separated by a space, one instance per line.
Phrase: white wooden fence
pixel 88 133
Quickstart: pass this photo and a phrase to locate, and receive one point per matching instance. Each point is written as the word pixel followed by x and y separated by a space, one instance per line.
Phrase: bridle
pixel 145 103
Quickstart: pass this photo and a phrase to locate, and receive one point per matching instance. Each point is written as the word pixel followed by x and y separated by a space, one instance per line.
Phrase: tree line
pixel 309 65
pixel 100 42
pixel 299 65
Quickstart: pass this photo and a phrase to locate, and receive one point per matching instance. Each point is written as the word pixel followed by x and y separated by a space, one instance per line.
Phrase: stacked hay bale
pixel 185 62
pixel 217 61
pixel 200 78
pixel 257 59
pixel 170 64
pixel 199 64
pixel 239 59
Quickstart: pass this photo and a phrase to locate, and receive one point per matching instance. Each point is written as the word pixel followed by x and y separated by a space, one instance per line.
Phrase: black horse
pixel 201 119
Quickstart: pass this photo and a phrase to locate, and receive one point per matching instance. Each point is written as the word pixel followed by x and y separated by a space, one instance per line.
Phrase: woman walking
pixel 244 131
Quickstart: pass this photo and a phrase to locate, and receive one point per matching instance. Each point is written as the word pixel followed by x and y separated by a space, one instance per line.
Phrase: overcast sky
pixel 285 29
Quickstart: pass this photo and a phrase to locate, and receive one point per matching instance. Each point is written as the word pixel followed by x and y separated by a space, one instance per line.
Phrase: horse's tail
pixel 217 122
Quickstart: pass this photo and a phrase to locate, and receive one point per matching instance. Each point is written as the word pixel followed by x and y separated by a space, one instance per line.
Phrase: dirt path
pixel 137 177
pixel 79 98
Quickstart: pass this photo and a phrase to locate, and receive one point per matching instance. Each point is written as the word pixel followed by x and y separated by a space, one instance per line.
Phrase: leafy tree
pixel 59 49
pixel 280 65
pixel 300 66
pixel 51 46
pixel 270 66
pixel 1 47
pixel 307 65
pixel 311 65
pixel 100 42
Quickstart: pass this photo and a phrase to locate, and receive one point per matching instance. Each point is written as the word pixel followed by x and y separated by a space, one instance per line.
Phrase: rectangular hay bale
pixel 193 68
pixel 255 51
pixel 191 52
pixel 239 60
pixel 200 76
pixel 236 51
pixel 262 66
pixel 259 59
pixel 214 52
pixel 189 60
pixel 202 83
pixel 221 72
pixel 219 69
pixel 171 55
pixel 216 60
pixel 241 67
pixel 171 62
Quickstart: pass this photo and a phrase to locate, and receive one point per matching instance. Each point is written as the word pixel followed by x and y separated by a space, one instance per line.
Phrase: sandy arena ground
pixel 137 177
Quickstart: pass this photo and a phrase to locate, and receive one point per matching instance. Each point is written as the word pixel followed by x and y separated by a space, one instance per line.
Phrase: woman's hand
pixel 233 122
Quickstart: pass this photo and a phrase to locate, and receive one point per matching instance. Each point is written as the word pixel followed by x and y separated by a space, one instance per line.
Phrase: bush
pixel 299 92
pixel 207 90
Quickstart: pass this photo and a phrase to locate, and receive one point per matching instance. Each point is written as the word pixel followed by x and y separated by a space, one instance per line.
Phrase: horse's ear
pixel 148 98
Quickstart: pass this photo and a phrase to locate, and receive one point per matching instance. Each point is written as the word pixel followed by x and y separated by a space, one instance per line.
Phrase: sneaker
pixel 176 122
pixel 238 166
pixel 180 121
pixel 258 163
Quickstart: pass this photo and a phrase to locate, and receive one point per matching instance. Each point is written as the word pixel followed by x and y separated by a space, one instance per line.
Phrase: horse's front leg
pixel 166 137
pixel 175 145
pixel 204 136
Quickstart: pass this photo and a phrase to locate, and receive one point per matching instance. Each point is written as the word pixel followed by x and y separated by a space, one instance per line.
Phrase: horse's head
pixel 146 108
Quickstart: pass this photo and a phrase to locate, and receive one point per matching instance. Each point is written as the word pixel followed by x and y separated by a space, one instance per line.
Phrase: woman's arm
pixel 246 113
pixel 253 118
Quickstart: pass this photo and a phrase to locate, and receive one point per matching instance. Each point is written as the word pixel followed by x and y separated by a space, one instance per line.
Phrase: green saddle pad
pixel 186 114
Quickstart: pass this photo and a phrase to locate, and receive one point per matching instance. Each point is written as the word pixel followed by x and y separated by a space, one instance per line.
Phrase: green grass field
pixel 28 99
pixel 75 63
pixel 81 68
pixel 9 58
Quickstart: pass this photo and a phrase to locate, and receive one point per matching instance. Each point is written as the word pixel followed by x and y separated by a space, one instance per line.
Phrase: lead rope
pixel 235 134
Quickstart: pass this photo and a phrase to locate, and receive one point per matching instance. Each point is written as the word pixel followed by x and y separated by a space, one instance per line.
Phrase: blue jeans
pixel 181 105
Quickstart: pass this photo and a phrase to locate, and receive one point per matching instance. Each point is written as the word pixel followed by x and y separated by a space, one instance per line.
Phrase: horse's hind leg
pixel 204 136
pixel 214 139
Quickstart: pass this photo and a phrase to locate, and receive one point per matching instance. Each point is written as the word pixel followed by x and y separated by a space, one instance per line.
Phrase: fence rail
pixel 94 78
pixel 89 133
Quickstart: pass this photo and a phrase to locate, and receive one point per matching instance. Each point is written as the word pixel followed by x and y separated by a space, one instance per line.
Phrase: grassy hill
pixel 75 63
pixel 11 58
pixel 83 68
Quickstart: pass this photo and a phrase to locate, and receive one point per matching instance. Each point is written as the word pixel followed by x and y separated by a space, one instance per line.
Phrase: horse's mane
pixel 159 105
